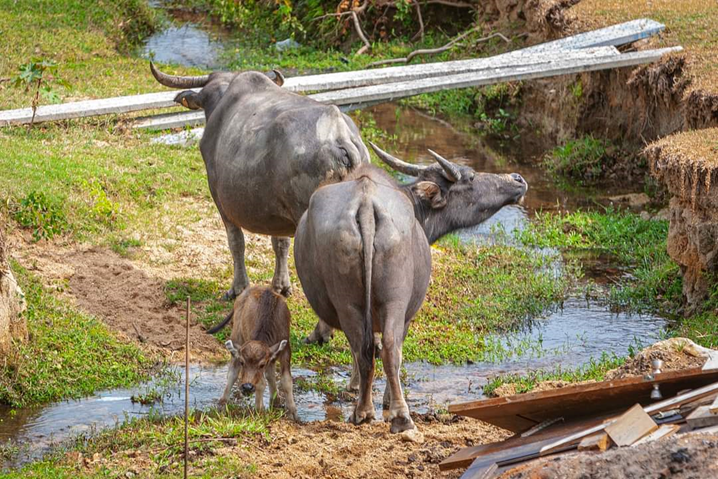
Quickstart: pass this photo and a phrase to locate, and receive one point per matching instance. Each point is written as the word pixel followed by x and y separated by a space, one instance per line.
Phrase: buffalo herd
pixel 282 164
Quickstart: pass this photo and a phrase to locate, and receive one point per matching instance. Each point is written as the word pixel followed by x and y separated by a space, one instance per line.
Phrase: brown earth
pixel 676 354
pixel 12 301
pixel 693 455
pixel 327 449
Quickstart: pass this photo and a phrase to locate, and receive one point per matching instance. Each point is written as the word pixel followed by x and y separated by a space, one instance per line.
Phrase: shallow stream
pixel 567 337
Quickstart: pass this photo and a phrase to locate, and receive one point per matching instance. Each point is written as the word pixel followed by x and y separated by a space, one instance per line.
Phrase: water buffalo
pixel 363 259
pixel 260 337
pixel 266 150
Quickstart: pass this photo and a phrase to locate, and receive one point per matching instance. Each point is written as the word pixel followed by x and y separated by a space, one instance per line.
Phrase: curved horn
pixel 175 81
pixel 396 163
pixel 451 170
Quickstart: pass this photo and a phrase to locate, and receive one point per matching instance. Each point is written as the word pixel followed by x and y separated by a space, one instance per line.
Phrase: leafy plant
pixel 583 159
pixel 38 74
pixel 43 215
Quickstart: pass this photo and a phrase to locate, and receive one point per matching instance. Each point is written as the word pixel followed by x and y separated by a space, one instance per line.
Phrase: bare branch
pixel 357 27
pixel 420 33
pixel 434 51
pixel 450 4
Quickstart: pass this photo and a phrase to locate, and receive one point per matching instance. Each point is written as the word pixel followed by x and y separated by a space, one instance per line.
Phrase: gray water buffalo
pixel 363 258
pixel 266 150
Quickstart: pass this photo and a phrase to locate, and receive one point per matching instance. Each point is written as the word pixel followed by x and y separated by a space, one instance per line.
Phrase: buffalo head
pixel 213 86
pixel 448 196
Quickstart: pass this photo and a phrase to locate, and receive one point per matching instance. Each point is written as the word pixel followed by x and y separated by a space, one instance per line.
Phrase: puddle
pixel 192 40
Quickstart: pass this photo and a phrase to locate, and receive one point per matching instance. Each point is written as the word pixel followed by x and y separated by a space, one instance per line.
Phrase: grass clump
pixel 635 243
pixel 41 214
pixel 69 354
pixel 155 446
pixel 594 370
pixel 583 159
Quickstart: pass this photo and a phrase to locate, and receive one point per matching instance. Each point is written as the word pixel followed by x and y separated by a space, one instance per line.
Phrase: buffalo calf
pixel 260 337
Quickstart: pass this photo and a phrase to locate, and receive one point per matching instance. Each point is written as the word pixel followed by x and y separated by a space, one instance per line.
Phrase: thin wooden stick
pixel 186 393
pixel 420 33
pixel 357 27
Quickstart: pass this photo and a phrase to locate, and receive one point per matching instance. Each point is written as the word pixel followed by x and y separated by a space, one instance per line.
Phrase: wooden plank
pixel 663 431
pixel 506 452
pixel 596 442
pixel 520 412
pixel 478 470
pixel 359 97
pixel 322 82
pixel 714 406
pixel 631 426
pixel 702 417
pixel 615 35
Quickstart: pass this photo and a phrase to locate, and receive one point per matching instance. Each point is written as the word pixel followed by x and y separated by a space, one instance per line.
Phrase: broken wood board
pixel 596 442
pixel 359 97
pixel 322 82
pixel 516 448
pixel 523 411
pixel 714 406
pixel 480 471
pixel 702 417
pixel 631 426
pixel 663 431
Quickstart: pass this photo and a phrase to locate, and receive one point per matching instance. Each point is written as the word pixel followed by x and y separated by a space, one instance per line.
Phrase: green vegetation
pixel 582 160
pixel 595 370
pixel 70 354
pixel 635 243
pixel 154 446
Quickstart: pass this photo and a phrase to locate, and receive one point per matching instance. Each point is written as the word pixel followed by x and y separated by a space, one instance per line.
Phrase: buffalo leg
pixel 287 386
pixel 280 282
pixel 232 374
pixel 270 374
pixel 322 333
pixel 353 385
pixel 353 326
pixel 392 356
pixel 235 238
pixel 259 395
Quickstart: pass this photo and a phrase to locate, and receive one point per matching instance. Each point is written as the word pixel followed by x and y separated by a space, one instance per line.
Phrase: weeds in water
pixel 583 159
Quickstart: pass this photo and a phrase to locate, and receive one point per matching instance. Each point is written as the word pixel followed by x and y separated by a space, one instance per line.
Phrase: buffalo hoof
pixel 361 417
pixel 285 291
pixel 401 424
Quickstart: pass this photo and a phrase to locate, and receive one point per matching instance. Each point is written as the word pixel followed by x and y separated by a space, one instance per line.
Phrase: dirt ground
pixel 693 455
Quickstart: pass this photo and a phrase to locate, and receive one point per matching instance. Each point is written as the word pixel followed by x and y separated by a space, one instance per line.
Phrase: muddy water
pixel 192 39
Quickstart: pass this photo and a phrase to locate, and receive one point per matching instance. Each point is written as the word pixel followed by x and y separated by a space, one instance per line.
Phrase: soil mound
pixel 676 353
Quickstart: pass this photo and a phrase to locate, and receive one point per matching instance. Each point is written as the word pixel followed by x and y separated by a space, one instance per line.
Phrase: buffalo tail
pixel 218 327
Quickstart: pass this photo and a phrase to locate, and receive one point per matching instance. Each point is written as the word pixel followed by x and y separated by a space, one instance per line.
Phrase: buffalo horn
pixel 175 81
pixel 452 171
pixel 396 163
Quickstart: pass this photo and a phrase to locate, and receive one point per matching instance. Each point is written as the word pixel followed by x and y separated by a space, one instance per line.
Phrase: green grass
pixel 69 354
pixel 582 160
pixel 638 245
pixel 154 447
pixel 594 370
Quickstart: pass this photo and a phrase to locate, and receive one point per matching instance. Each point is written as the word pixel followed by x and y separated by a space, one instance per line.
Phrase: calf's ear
pixel 189 99
pixel 276 349
pixel 430 192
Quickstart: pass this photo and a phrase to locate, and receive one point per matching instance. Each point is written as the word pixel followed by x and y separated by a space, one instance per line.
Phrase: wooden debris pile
pixel 591 418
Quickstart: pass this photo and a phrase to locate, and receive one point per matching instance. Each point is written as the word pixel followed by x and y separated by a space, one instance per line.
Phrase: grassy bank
pixel 69 353
pixel 152 447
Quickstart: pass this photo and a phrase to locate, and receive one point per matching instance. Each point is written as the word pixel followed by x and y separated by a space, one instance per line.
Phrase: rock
pixel 412 435
pixel 288 44
pixel 632 200
pixel 12 302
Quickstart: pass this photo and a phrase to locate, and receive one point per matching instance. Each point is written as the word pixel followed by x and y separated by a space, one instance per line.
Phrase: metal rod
pixel 186 393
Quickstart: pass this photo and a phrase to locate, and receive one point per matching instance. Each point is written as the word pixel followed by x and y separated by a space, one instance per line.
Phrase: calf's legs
pixel 232 374
pixel 286 384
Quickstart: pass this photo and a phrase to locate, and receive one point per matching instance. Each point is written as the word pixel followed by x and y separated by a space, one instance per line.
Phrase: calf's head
pixel 254 357
pixel 448 196
pixel 213 86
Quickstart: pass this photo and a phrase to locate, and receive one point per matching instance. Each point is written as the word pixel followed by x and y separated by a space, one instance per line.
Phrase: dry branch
pixel 420 33
pixel 434 51
pixel 357 27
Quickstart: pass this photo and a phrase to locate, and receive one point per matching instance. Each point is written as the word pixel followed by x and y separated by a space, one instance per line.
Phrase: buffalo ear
pixel 189 99
pixel 276 76
pixel 276 349
pixel 430 192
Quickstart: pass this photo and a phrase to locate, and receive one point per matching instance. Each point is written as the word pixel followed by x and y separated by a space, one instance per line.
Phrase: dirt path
pixel 123 296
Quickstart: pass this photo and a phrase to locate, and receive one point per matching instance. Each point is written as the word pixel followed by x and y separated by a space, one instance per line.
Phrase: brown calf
pixel 260 337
